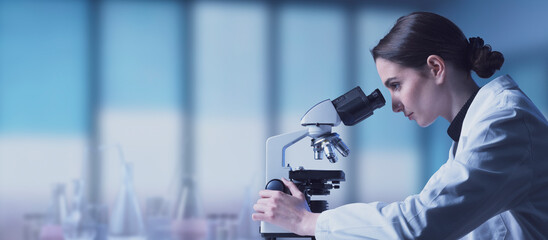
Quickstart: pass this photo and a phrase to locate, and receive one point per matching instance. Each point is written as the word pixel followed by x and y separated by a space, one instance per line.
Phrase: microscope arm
pixel 276 169
pixel 275 150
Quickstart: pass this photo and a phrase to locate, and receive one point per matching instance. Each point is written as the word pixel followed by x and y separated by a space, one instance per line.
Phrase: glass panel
pixel 311 57
pixel 230 85
pixel 42 106
pixel 141 55
pixel 141 72
pixel 43 77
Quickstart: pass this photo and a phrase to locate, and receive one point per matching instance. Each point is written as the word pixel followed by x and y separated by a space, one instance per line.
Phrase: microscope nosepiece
pixel 325 144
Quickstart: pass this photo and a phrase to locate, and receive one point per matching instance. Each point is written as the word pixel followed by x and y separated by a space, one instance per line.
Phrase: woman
pixel 494 184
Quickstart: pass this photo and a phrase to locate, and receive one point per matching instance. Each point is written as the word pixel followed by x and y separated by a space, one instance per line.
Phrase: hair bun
pixel 482 59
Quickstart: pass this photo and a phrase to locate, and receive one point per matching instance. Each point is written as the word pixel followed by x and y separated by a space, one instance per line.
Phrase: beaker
pixel 33 223
pixel 226 229
pixel 157 220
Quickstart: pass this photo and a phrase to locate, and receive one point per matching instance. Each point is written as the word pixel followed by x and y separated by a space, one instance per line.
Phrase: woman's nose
pixel 396 107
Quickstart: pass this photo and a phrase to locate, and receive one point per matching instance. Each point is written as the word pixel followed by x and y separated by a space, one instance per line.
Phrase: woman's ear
pixel 436 68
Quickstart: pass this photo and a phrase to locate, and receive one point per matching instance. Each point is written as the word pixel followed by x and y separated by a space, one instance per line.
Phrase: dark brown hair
pixel 420 34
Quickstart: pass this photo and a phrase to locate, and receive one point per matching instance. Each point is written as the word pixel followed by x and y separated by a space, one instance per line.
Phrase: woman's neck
pixel 461 89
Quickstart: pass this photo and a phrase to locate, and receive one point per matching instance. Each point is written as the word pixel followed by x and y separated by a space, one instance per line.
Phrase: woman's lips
pixel 409 116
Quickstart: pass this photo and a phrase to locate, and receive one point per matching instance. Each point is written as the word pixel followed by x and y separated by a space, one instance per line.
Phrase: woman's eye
pixel 395 86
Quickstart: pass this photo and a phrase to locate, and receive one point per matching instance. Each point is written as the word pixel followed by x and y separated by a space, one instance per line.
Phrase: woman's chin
pixel 424 124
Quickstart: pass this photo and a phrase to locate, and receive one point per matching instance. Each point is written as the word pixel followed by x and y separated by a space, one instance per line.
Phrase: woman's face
pixel 413 92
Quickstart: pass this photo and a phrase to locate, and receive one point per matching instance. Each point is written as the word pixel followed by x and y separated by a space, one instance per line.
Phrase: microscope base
pixel 274 236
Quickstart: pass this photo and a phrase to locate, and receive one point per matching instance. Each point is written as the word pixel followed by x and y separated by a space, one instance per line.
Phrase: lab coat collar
pixel 456 125
pixel 495 86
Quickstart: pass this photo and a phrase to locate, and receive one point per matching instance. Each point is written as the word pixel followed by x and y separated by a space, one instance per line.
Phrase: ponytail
pixel 420 34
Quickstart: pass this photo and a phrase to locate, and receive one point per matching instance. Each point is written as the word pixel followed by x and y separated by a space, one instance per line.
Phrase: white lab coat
pixel 493 186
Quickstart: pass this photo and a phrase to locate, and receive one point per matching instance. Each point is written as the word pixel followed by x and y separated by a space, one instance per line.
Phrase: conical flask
pixel 189 222
pixel 126 221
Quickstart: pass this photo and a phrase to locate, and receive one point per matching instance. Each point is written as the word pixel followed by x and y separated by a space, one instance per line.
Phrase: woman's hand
pixel 287 211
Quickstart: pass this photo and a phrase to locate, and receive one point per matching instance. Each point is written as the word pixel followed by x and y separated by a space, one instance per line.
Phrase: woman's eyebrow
pixel 387 82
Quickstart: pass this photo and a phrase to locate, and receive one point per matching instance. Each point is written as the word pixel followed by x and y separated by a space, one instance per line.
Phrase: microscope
pixel 350 108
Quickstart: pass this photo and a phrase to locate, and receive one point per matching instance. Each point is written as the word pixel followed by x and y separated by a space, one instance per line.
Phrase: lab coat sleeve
pixel 490 173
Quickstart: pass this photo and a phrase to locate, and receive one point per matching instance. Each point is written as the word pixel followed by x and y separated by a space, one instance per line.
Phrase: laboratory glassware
pixel 52 230
pixel 33 223
pixel 79 224
pixel 99 215
pixel 157 220
pixel 126 221
pixel 189 221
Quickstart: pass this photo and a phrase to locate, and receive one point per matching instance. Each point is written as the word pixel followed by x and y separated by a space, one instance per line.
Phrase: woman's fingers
pixel 284 210
pixel 265 201
pixel 269 204
pixel 262 207
pixel 293 188
pixel 269 193
pixel 258 216
pixel 263 212
pixel 261 217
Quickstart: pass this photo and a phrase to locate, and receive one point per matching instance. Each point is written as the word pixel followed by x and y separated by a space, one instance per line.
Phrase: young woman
pixel 494 184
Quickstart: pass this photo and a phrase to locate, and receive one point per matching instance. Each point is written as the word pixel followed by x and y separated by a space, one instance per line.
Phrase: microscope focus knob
pixel 278 185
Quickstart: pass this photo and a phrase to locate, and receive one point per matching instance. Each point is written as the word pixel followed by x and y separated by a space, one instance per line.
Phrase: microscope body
pixel 350 108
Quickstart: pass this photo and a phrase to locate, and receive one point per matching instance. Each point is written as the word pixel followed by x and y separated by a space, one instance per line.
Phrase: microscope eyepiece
pixel 354 106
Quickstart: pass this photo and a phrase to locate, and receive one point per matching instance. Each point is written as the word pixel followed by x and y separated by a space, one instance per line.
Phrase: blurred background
pixel 189 91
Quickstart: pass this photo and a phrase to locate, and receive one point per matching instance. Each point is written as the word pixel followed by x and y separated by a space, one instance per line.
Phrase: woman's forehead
pixel 389 70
